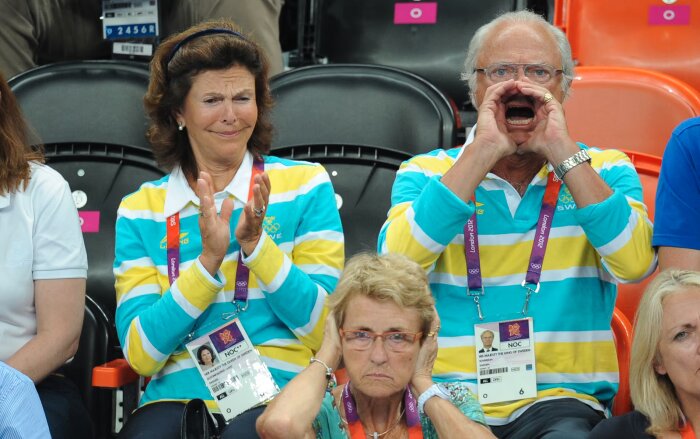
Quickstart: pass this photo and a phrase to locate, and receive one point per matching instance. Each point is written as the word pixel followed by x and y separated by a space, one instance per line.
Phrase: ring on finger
pixel 548 97
pixel 431 334
pixel 259 212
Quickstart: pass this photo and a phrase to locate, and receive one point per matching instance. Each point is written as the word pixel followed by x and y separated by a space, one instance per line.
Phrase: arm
pixel 143 305
pixel 292 412
pixel 21 413
pixel 295 286
pixel 607 193
pixel 448 420
pixel 678 200
pixel 60 306
pixel 413 228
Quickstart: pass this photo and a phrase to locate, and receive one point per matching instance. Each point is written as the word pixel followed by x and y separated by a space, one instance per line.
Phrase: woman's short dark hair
pixel 175 64
pixel 202 349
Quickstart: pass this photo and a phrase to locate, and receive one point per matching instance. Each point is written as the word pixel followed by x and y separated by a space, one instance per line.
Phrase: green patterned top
pixel 329 425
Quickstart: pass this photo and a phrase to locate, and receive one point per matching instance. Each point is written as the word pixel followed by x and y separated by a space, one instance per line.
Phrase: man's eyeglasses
pixel 396 341
pixel 540 73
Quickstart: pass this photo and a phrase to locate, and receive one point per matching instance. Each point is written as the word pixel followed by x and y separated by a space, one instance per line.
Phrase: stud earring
pixel 180 126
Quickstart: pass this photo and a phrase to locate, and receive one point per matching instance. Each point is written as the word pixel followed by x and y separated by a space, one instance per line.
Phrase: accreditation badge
pixel 505 360
pixel 232 369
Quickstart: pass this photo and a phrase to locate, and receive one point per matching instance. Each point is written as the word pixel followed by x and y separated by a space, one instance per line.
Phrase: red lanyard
pixel 415 431
pixel 475 286
pixel 173 239
pixel 687 431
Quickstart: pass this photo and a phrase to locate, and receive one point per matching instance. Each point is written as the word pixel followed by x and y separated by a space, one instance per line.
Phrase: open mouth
pixel 519 115
pixel 520 110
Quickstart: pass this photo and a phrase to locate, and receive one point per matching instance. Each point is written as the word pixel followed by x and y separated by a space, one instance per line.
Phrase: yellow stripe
pixel 503 410
pixel 329 253
pixel 147 198
pixel 294 354
pixel 632 260
pixel 196 288
pixel 314 338
pixel 290 178
pixel 139 360
pixel 567 358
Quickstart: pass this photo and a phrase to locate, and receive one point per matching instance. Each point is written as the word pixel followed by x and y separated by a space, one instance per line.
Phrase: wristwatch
pixel 567 165
pixel 434 390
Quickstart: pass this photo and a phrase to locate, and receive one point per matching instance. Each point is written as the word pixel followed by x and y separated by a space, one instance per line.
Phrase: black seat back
pixel 85 101
pixel 361 105
pixel 404 35
pixel 362 178
pixel 100 175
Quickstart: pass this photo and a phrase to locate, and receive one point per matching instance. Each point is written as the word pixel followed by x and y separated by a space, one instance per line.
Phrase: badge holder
pixel 133 27
pixel 232 369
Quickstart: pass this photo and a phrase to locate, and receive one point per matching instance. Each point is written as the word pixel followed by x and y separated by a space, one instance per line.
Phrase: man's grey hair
pixel 516 17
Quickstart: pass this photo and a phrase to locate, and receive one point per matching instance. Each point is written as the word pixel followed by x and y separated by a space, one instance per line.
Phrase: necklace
pixel 376 435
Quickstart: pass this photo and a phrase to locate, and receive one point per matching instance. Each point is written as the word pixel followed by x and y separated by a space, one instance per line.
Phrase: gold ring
pixel 548 97
pixel 431 334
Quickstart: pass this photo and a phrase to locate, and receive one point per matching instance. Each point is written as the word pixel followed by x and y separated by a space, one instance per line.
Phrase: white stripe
pixel 227 296
pixel 516 279
pixel 183 303
pixel 324 235
pixel 279 278
pixel 151 350
pixel 572 336
pixel 455 342
pixel 420 236
pixel 175 366
pixel 281 342
pixel 509 239
pixel 307 187
pixel 608 165
pixel 315 313
pixel 144 262
pixel 623 238
pixel 540 337
pixel 281 365
pixel 138 291
pixel 412 167
pixel 581 378
pixel 319 269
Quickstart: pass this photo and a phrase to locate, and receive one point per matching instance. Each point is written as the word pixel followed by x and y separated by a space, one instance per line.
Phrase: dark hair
pixel 211 45
pixel 15 152
pixel 202 349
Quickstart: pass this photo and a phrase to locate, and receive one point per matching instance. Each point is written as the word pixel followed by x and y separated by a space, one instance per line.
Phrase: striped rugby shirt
pixel 295 265
pixel 589 250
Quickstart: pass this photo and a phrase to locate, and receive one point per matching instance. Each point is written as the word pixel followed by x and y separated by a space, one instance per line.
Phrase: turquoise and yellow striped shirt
pixel 589 250
pixel 295 265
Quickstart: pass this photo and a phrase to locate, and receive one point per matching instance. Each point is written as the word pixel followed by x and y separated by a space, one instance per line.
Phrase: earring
pixel 180 126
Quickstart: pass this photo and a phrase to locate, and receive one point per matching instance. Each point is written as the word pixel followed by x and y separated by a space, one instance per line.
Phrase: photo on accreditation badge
pixel 488 339
pixel 206 356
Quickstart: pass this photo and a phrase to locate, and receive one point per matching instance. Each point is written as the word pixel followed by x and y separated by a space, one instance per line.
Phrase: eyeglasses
pixel 540 73
pixel 396 341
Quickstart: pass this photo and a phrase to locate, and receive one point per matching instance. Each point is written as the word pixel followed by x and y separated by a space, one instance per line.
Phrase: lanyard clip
pixel 528 294
pixel 475 295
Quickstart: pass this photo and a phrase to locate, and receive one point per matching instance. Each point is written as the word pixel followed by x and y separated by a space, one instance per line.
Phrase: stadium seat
pixel 99 176
pixel 627 108
pixel 622 333
pixel 362 178
pixel 96 339
pixel 85 101
pixel 648 168
pixel 360 105
pixel 428 38
pixel 650 34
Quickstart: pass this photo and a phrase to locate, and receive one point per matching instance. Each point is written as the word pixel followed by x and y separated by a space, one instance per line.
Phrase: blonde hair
pixel 653 394
pixel 389 277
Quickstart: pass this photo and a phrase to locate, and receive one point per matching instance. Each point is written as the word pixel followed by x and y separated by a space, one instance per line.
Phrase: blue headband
pixel 196 35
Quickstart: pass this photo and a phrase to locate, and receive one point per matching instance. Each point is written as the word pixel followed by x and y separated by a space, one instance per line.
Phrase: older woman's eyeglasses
pixel 396 341
pixel 540 73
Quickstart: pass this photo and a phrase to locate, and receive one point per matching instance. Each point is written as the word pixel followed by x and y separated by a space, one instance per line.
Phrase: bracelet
pixel 434 390
pixel 330 376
